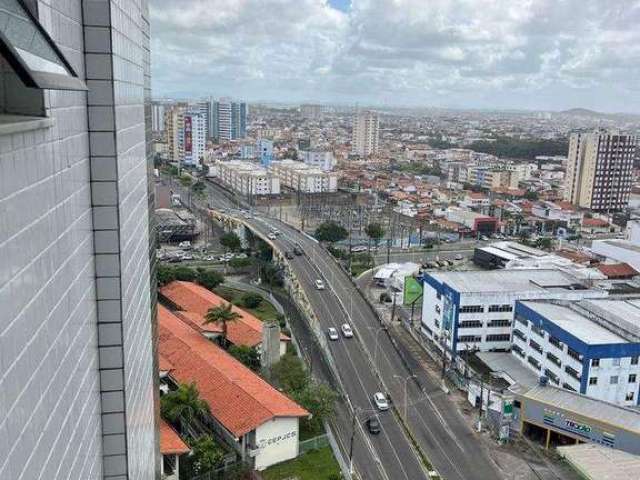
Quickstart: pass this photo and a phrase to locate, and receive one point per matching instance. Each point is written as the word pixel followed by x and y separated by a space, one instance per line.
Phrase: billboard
pixel 188 135
pixel 412 290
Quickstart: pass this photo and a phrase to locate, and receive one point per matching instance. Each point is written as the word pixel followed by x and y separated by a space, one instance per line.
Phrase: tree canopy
pixel 231 241
pixel 182 406
pixel 331 232
pixel 521 148
pixel 249 356
pixel 374 231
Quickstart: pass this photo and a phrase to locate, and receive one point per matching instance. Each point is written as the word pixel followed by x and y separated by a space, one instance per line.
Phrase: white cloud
pixel 476 53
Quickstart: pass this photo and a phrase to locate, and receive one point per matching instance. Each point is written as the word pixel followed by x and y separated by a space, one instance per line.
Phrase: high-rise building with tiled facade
pixel 78 393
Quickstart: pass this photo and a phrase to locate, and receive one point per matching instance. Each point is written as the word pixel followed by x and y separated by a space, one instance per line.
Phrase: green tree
pixel 210 278
pixel 224 315
pixel 182 406
pixel 318 399
pixel 199 188
pixel 531 195
pixel 230 241
pixel 240 262
pixel 290 374
pixel 331 232
pixel 206 455
pixel 544 243
pixel 185 180
pixel 375 232
pixel 172 170
pixel 167 274
pixel 249 356
pixel 251 300
pixel 270 275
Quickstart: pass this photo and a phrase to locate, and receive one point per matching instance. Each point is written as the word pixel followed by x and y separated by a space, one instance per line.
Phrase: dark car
pixel 297 251
pixel 373 425
pixel 289 255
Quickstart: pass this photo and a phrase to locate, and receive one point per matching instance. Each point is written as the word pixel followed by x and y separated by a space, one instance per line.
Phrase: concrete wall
pixel 277 440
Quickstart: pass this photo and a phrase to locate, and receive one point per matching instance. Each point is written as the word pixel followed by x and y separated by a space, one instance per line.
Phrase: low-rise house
pixel 251 416
pixel 193 301
pixel 171 447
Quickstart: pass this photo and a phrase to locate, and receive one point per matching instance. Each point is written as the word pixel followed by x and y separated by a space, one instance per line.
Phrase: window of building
pixel 469 338
pixel 535 345
pixel 613 380
pixel 30 51
pixel 499 323
pixel 572 372
pixel 498 338
pixel 566 386
pixel 518 350
pixel 593 381
pixel 629 397
pixel 534 362
pixel 470 324
pixel 501 308
pixel 616 362
pixel 553 359
pixel 634 360
pixel 555 342
pixel 437 308
pixel 518 334
pixel 471 309
pixel 522 321
pixel 537 330
pixel 436 323
pixel 632 378
pixel 595 362
pixel 573 354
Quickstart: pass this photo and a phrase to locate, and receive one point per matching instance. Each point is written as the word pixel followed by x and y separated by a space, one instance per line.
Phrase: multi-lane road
pixel 370 362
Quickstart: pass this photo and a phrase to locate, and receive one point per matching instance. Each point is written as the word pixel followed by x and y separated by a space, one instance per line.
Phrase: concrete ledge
pixel 10 124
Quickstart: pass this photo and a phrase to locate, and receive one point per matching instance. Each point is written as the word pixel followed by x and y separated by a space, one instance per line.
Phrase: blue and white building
pixel 264 148
pixel 591 347
pixel 474 310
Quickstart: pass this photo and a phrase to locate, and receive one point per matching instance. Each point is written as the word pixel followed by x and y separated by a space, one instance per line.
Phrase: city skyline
pixel 543 56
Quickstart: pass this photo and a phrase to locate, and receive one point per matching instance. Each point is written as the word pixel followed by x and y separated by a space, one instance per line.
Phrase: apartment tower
pixel 599 169
pixel 365 134
pixel 78 381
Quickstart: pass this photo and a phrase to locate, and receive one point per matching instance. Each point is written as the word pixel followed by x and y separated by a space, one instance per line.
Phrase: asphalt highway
pixel 370 362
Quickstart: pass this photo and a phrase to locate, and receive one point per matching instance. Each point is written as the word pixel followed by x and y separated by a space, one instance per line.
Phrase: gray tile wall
pixel 76 364
pixel 49 392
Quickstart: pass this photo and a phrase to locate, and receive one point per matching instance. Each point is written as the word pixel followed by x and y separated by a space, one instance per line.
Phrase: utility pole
pixel 393 309
pixel 481 400
pixel 388 250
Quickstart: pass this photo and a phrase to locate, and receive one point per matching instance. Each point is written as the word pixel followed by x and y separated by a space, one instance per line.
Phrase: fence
pixel 314 443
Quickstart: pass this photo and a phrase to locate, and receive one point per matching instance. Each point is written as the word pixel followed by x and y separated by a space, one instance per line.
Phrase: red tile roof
pixel 239 399
pixel 164 364
pixel 594 222
pixel 170 441
pixel 617 270
pixel 195 301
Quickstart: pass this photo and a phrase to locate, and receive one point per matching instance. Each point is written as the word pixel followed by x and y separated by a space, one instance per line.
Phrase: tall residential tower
pixel 78 384
pixel 365 134
pixel 599 170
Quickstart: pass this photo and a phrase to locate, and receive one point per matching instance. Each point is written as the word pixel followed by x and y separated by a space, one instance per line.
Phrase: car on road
pixel 346 330
pixel 289 254
pixel 272 236
pixel 484 238
pixel 359 248
pixel 186 245
pixel 297 250
pixel 319 284
pixel 380 401
pixel 458 256
pixel 373 425
pixel 332 333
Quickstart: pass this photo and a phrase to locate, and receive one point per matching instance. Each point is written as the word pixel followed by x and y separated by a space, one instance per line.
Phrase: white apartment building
pixel 492 178
pixel 599 168
pixel 474 310
pixel 192 137
pixel 301 177
pixel 246 178
pixel 324 160
pixel 157 116
pixel 365 135
pixel 591 347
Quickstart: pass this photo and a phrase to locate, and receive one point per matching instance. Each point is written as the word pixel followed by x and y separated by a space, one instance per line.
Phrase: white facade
pixel 192 137
pixel 324 160
pixel 246 178
pixel 474 309
pixel 157 117
pixel 365 135
pixel 575 352
pixel 301 177
pixel 276 441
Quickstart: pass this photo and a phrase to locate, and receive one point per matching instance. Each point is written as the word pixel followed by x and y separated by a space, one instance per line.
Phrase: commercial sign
pixel 412 290
pixel 188 135
pixel 448 311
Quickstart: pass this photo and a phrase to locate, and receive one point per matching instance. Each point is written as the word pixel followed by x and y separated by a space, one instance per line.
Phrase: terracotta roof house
pixel 192 302
pixel 617 271
pixel 171 447
pixel 261 422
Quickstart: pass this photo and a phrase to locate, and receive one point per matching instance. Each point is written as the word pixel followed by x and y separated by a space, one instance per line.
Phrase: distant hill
pixel 585 112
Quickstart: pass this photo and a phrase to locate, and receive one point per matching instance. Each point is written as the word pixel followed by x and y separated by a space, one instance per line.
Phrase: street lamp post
pixel 406 383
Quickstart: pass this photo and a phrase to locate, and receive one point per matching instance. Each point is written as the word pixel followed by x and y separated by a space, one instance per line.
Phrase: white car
pixel 380 400
pixel 272 236
pixel 333 333
pixel 346 330
pixel 359 248
pixel 319 284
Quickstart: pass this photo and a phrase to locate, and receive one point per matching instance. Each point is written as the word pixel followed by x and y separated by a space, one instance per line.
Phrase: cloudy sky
pixel 531 54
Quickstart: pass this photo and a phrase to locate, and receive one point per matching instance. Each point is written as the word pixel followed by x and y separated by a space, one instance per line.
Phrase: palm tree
pixel 224 315
pixel 182 406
